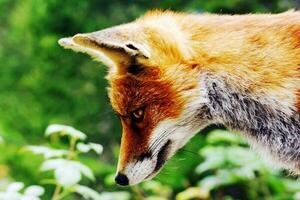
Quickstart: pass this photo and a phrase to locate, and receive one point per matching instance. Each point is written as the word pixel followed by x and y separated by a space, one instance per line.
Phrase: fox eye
pixel 137 115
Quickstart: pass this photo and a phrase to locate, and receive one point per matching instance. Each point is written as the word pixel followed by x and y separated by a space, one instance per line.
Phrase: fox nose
pixel 121 179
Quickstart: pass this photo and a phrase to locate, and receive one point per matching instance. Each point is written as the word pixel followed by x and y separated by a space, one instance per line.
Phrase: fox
pixel 171 74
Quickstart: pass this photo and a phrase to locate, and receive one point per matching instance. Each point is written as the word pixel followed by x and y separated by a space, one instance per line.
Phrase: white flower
pixel 67 172
pixel 29 198
pixel 13 192
pixel 47 152
pixel 67 175
pixel 34 190
pixel 98 148
pixel 87 192
pixel 10 196
pixel 65 130
pixel 15 187
pixel 84 148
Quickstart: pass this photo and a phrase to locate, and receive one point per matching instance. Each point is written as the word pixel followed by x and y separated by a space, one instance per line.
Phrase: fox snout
pixel 144 166
pixel 148 110
pixel 143 156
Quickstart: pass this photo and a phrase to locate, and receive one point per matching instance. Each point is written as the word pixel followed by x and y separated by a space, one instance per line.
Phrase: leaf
pixel 223 177
pixel 65 130
pixel 114 196
pixel 209 151
pixel 240 156
pixel 291 185
pixel 218 136
pixel 214 158
pixel 34 190
pixel 157 188
pixel 210 164
pixel 297 195
pixel 47 152
pixel 15 187
pixel 193 193
pixel 228 177
pixel 152 197
pixel 89 193
pixel 210 182
pixel 246 173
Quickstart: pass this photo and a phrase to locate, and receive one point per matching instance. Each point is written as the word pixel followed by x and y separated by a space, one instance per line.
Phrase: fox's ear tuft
pixel 114 47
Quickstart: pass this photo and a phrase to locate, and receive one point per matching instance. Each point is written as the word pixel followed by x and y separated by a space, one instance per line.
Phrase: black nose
pixel 121 179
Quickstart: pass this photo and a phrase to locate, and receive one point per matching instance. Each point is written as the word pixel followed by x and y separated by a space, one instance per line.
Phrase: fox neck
pixel 273 131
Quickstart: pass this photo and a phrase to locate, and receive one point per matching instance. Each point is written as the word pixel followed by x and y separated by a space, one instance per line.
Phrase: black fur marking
pixel 131 46
pixel 145 155
pixel 134 69
pixel 162 156
pixel 135 129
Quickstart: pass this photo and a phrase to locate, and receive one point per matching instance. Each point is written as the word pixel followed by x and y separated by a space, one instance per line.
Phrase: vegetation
pixel 43 84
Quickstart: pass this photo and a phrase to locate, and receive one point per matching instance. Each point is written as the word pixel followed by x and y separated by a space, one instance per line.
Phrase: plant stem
pixel 139 193
pixel 72 148
pixel 64 193
pixel 57 192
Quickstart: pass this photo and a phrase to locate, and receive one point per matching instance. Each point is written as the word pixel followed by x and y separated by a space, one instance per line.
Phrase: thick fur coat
pixel 172 74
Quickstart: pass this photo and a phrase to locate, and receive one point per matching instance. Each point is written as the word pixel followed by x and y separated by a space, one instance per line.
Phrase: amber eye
pixel 137 115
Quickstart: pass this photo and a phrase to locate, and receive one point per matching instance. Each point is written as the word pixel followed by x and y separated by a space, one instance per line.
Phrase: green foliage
pixel 229 166
pixel 68 171
pixel 41 84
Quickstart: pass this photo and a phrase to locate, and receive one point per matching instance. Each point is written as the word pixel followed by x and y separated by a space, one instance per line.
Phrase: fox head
pixel 154 89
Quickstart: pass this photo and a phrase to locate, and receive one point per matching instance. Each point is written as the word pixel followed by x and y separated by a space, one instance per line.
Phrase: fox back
pixel 172 74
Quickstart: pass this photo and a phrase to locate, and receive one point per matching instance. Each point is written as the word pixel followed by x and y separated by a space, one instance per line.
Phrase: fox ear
pixel 111 46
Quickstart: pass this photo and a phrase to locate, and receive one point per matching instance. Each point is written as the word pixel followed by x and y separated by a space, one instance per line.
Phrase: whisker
pixel 190 152
pixel 172 168
pixel 157 151
pixel 164 173
pixel 157 140
pixel 163 177
pixel 156 178
pixel 164 135
pixel 161 139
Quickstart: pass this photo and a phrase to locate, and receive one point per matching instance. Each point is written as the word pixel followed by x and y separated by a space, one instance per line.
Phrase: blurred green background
pixel 42 84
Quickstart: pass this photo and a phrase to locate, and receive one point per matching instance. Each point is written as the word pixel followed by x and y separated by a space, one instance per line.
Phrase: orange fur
pixel 259 53
pixel 298 101
pixel 127 94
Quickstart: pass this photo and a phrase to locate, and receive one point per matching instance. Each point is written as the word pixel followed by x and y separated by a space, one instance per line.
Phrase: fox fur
pixel 172 74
